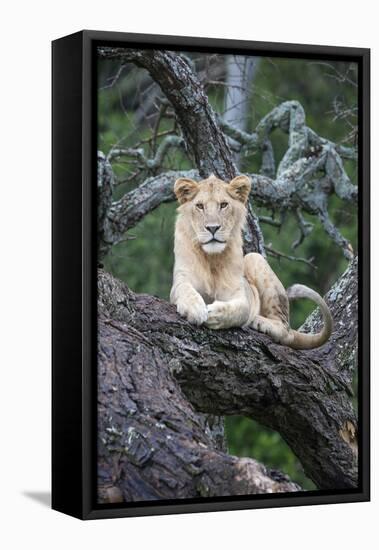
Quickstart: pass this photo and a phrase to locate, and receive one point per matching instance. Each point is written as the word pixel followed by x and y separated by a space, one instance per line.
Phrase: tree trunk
pixel 240 75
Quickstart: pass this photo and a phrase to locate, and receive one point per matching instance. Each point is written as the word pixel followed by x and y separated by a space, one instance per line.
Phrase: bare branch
pixel 111 81
pixel 150 163
pixel 280 117
pixel 335 235
pixel 304 226
pixel 277 254
pixel 133 206
pixel 270 221
pixel 289 192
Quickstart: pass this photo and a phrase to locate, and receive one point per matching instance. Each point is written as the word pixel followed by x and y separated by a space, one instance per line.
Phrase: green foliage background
pixel 145 259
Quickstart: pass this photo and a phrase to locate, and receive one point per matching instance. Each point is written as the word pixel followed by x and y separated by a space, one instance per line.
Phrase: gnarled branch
pixel 289 192
pixel 296 182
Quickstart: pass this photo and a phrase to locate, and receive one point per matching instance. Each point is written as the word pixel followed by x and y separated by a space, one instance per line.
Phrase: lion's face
pixel 215 209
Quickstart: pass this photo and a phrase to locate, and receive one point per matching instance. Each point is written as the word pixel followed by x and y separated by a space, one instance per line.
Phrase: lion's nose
pixel 212 228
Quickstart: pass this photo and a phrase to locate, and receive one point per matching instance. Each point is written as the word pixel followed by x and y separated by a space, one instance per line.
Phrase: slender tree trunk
pixel 240 75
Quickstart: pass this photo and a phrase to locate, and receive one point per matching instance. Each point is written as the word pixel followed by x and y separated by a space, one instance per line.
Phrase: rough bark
pixel 152 444
pixel 305 396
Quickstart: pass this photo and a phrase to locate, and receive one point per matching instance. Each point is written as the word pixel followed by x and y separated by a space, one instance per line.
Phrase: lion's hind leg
pixel 273 317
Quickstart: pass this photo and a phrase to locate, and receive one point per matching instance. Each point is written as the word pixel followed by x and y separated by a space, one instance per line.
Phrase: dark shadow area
pixel 42 497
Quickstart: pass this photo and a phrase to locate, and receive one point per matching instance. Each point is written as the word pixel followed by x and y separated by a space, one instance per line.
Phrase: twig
pixel 304 226
pixel 114 78
pixel 272 252
pixel 270 221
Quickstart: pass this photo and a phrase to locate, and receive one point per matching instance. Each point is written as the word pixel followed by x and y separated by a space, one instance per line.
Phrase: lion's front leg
pixel 225 315
pixel 189 303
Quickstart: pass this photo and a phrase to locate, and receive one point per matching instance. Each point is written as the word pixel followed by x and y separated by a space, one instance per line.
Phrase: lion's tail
pixel 310 341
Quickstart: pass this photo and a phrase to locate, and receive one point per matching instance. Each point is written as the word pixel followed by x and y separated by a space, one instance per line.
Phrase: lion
pixel 214 283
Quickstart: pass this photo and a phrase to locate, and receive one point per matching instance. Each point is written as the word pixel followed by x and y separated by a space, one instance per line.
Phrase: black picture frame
pixel 74 281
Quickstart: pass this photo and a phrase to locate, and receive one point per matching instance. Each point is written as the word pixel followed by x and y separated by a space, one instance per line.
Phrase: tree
pixel 158 374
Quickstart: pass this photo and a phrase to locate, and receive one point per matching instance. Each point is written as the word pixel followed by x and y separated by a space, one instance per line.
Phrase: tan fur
pixel 214 283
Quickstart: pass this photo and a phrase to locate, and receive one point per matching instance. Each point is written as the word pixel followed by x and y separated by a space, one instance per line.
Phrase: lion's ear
pixel 239 188
pixel 185 189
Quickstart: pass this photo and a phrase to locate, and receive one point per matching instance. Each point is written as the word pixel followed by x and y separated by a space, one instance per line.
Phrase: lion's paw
pixel 194 311
pixel 217 315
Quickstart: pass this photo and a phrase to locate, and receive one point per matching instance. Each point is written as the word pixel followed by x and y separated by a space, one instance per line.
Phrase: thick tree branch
pixel 152 444
pixel 150 163
pixel 305 396
pixel 133 206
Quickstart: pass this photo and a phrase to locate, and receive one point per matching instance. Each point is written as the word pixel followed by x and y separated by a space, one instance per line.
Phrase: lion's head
pixel 215 210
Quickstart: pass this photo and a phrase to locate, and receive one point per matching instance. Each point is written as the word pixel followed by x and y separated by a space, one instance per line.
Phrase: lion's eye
pixel 223 205
pixel 200 206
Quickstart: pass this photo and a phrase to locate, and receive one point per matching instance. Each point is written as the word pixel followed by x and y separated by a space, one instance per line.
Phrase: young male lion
pixel 214 283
